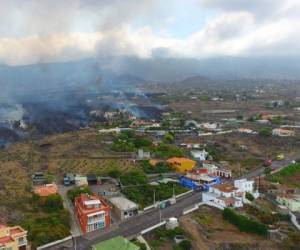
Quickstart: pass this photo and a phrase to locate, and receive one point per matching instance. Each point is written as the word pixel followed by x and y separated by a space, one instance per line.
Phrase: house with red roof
pixel 13 238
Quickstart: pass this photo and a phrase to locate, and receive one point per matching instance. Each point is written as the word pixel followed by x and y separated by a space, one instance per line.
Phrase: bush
pixel 265 132
pixel 243 223
pixel 47 222
pixel 77 191
pixel 249 196
pixel 167 151
pixel 185 245
pixel 160 167
pixel 137 189
pixel 169 138
pixel 53 203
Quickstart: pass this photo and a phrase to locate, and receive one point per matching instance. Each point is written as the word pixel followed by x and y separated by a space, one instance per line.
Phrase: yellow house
pixel 13 238
pixel 182 164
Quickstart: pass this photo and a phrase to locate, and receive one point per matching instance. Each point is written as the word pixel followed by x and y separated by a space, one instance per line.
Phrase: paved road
pixel 133 226
pixel 276 165
pixel 74 223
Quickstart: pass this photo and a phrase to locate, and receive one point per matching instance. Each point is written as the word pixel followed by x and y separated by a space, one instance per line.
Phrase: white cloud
pixel 241 28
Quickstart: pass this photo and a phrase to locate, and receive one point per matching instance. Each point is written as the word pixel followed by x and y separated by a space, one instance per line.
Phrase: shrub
pixel 265 132
pixel 53 203
pixel 243 223
pixel 77 191
pixel 249 196
pixel 185 245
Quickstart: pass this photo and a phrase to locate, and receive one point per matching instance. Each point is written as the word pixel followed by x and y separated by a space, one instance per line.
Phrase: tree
pixel 169 138
pixel 267 170
pixel 77 191
pixel 265 132
pixel 249 196
pixel 53 203
pixel 185 245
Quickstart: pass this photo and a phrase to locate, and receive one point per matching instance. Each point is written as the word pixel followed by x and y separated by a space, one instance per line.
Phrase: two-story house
pixel 13 238
pixel 93 212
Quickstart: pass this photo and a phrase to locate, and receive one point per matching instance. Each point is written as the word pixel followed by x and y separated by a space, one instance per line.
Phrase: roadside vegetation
pixel 47 221
pixel 162 237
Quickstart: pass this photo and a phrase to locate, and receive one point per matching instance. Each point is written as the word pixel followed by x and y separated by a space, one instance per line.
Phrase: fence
pixel 54 243
pixel 149 229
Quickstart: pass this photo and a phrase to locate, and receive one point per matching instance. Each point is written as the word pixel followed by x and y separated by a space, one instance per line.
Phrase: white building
pixel 212 169
pixel 143 154
pixel 210 126
pixel 199 155
pixel 228 195
pixel 244 185
pixel 282 132
pixel 223 195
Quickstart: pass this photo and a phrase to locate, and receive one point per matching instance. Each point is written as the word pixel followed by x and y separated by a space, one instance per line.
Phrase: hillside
pixel 84 151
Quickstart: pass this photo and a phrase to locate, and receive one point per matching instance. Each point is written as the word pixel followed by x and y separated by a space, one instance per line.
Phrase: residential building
pixel 244 185
pixel 199 155
pixel 228 195
pixel 199 181
pixel 210 126
pixel 123 207
pixel 215 170
pixel 142 155
pixel 283 132
pixel 81 181
pixel 224 173
pixel 13 238
pixel 291 201
pixel 181 164
pixel 46 190
pixel 246 131
pixel 93 212
pixel 224 195
pixel 38 178
pixel 190 145
pixel 116 243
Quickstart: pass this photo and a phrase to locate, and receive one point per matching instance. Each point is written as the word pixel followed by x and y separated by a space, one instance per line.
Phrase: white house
pixel 223 195
pixel 228 195
pixel 283 132
pixel 291 201
pixel 210 126
pixel 199 155
pixel 215 170
pixel 143 154
pixel 244 185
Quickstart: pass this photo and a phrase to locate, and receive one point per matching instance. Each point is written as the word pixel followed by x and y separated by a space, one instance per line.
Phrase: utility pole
pixel 174 191
pixel 159 213
pixel 154 197
pixel 74 239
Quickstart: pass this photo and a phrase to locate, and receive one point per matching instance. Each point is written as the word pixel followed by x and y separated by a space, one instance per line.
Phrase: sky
pixel 38 31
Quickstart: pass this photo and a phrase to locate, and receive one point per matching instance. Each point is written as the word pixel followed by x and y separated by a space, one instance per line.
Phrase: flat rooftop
pixel 123 203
